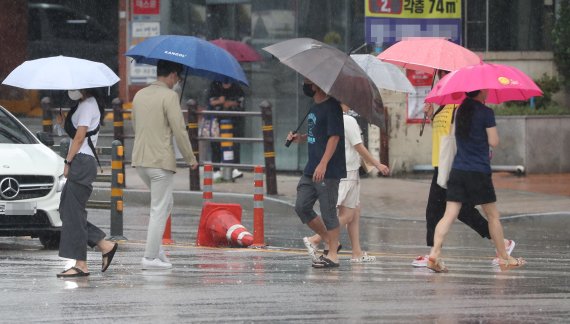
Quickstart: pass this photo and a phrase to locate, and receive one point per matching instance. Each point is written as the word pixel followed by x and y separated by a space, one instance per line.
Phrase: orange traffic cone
pixel 167 236
pixel 220 225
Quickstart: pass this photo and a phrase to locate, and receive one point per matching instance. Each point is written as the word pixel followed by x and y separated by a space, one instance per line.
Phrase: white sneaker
pixel 509 246
pixel 155 264
pixel 364 258
pixel 236 174
pixel 420 261
pixel 311 249
pixel 217 175
pixel 162 256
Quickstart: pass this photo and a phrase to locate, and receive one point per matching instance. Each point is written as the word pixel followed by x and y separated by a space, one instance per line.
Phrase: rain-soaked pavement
pixel 279 285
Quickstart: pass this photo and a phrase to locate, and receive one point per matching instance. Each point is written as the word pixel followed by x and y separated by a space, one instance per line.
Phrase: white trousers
pixel 160 182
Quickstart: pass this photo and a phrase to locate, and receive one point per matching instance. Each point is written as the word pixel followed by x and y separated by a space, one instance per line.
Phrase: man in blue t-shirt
pixel 322 174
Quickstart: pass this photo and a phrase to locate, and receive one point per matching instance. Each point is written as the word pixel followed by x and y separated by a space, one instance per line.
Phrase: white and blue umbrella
pixel 385 75
pixel 200 57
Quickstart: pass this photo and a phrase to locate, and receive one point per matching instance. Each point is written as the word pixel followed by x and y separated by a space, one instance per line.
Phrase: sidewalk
pixel 401 198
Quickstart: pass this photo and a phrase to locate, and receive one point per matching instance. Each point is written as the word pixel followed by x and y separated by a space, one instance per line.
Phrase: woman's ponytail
pixel 465 115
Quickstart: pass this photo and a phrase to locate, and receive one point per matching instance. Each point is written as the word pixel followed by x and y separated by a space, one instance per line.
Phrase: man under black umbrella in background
pixel 321 176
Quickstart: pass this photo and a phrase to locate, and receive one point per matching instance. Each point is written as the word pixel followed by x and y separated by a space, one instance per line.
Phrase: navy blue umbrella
pixel 201 58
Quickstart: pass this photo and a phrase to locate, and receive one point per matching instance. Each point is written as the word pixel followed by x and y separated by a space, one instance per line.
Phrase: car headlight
pixel 61 182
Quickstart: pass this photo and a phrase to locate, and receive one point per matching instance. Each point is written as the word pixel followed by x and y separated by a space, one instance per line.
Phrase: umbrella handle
pixel 288 142
pixel 423 124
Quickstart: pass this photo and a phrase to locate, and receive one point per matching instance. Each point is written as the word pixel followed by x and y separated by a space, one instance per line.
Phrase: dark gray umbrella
pixel 334 72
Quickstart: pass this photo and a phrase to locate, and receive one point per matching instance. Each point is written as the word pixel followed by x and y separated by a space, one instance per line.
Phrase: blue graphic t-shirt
pixel 473 152
pixel 325 120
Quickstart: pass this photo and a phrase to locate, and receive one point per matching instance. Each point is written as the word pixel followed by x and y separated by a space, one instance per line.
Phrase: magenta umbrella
pixel 241 51
pixel 429 54
pixel 504 82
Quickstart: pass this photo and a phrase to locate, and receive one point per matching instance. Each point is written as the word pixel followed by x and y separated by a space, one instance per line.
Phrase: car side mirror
pixel 45 138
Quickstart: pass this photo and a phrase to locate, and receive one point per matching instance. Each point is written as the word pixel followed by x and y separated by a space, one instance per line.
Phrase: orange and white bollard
pixel 207 194
pixel 258 212
pixel 167 236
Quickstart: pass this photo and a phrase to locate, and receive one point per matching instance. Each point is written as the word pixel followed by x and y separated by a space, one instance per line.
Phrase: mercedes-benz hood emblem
pixel 9 188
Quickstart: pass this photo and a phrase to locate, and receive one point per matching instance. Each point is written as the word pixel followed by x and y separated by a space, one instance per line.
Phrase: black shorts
pixel 470 187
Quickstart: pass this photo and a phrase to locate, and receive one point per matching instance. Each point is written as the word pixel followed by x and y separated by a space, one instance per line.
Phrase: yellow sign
pixel 414 9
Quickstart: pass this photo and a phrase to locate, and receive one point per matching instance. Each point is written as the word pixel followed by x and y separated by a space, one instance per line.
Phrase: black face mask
pixel 308 90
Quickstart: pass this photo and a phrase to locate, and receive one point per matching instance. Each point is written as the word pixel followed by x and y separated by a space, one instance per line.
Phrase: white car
pixel 31 180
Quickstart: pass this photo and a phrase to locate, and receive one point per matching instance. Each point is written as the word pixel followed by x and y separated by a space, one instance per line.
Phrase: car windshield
pixel 12 132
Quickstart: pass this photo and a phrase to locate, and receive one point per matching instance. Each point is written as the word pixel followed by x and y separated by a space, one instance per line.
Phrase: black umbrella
pixel 334 72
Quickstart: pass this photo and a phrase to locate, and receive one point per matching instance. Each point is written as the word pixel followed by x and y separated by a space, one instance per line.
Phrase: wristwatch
pixel 67 162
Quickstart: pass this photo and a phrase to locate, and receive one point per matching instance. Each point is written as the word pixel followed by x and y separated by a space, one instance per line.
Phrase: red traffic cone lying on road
pixel 220 225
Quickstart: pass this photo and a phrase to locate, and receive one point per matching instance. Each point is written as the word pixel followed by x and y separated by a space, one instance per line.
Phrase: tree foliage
pixel 561 41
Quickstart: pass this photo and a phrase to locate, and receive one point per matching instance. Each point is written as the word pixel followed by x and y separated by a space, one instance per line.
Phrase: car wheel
pixel 50 240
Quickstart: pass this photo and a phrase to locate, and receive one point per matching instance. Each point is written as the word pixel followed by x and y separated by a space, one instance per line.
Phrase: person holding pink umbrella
pixel 470 179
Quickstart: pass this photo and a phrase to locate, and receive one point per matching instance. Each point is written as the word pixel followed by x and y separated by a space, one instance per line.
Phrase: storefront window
pixel 509 25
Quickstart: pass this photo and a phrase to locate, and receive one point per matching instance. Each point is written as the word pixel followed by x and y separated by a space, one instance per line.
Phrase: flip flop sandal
pixel 436 265
pixel 325 262
pixel 506 264
pixel 78 273
pixel 108 257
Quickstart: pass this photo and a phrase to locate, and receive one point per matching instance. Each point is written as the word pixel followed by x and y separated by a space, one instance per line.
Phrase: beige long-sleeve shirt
pixel 157 119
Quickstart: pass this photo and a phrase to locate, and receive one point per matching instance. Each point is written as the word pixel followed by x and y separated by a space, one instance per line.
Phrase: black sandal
pixel 78 273
pixel 325 262
pixel 109 257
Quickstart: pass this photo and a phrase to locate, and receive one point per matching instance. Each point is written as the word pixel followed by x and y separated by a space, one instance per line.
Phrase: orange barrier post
pixel 207 194
pixel 258 212
pixel 167 236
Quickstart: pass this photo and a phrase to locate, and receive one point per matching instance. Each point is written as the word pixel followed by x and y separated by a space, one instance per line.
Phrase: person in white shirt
pixel 82 125
pixel 348 203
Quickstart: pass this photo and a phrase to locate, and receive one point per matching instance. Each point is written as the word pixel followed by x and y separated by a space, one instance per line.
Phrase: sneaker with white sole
pixel 364 258
pixel 162 256
pixel 420 261
pixel 509 246
pixel 155 264
pixel 311 249
pixel 236 174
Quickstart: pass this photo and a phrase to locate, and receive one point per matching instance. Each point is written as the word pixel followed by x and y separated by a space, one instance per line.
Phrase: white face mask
pixel 74 94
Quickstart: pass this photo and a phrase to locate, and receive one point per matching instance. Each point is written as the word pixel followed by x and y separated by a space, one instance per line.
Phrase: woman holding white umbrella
pixel 82 125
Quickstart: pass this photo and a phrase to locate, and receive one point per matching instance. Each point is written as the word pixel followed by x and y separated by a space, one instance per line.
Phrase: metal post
pixel 384 139
pixel 46 109
pixel 258 212
pixel 119 128
pixel 207 194
pixel 117 185
pixel 192 125
pixel 227 131
pixel 269 147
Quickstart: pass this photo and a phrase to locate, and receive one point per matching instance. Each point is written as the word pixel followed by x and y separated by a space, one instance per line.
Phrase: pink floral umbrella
pixel 504 82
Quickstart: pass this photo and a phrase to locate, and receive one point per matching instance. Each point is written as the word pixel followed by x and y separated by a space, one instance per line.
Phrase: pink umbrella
pixel 505 83
pixel 241 51
pixel 429 54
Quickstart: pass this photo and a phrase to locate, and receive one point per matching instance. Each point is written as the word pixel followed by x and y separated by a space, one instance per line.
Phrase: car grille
pixel 30 186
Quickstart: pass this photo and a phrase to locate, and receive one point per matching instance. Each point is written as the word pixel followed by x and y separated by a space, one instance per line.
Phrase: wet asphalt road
pixel 279 285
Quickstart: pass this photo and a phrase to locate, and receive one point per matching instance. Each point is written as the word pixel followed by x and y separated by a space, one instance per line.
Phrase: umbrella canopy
pixel 240 50
pixel 61 73
pixel 429 54
pixel 505 83
pixel 334 72
pixel 200 57
pixel 385 75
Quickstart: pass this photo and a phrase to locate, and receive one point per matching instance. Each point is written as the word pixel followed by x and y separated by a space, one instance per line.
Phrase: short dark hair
pixel 164 68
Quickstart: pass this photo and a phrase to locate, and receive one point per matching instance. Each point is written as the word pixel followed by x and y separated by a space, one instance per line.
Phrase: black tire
pixel 50 240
